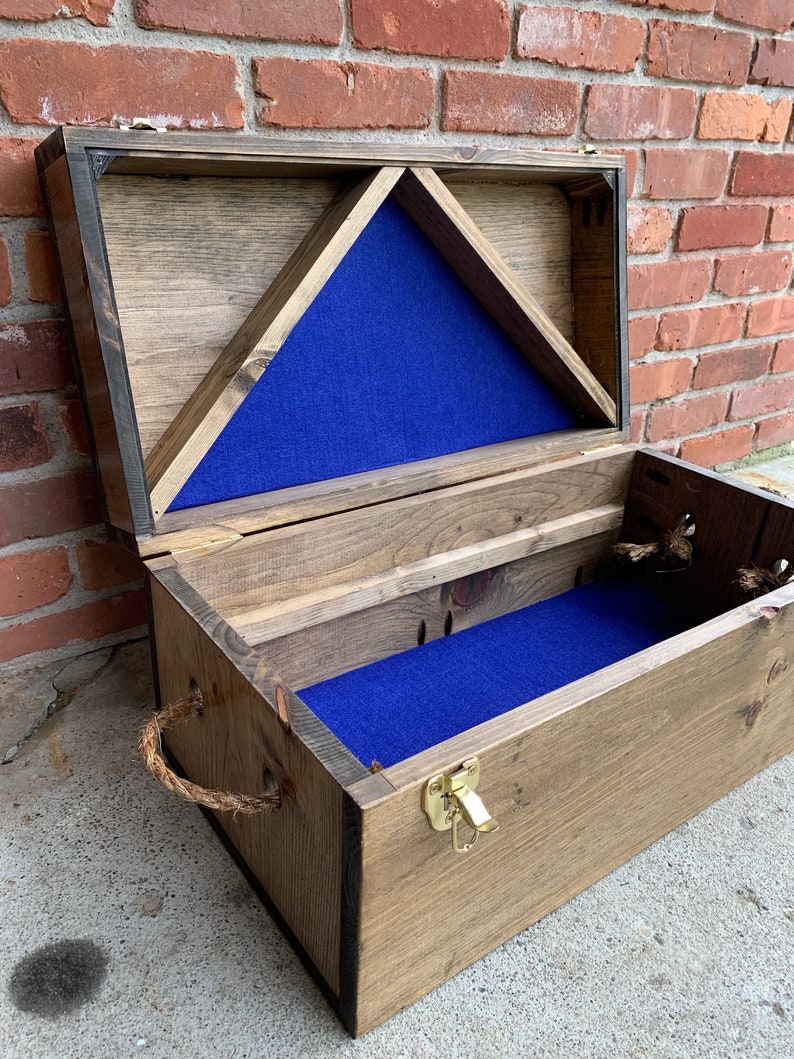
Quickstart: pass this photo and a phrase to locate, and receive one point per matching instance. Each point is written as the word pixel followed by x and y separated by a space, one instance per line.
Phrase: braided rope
pixel 221 801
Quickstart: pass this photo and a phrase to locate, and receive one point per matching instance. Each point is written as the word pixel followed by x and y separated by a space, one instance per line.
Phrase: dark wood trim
pixel 334 756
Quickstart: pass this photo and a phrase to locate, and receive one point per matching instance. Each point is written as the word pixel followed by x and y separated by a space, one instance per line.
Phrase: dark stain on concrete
pixel 58 978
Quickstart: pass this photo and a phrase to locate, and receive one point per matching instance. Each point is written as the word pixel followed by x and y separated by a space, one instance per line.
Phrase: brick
pixel 781 223
pixel 770 316
pixel 81 625
pixel 668 283
pixel 687 416
pixel 756 173
pixel 773 64
pixel 323 93
pixel 706 227
pixel 637 425
pixel 23 442
pixel 719 446
pixel 743 116
pixel 5 275
pixel 447 28
pixel 104 564
pixel 74 423
pixel 46 507
pixel 173 87
pixel 708 326
pixel 695 6
pixel 752 273
pixel 731 365
pixel 19 185
pixel 488 102
pixel 639 112
pixel 565 36
pixel 698 53
pixel 774 431
pixel 784 356
pixel 779 119
pixel 659 379
pixel 772 395
pixel 40 263
pixel 33 579
pixel 642 335
pixel 632 157
pixel 777 15
pixel 683 173
pixel 96 12
pixel 309 21
pixel 649 230
pixel 34 357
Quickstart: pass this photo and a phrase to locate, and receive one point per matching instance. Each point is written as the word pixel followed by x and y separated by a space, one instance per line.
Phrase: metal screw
pixel 435 788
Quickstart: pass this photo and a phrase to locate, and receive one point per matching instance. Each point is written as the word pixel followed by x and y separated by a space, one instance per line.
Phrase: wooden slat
pixel 238 154
pixel 728 521
pixel 190 259
pixel 192 526
pixel 189 437
pixel 493 283
pixel 288 562
pixel 320 652
pixel 237 737
pixel 335 601
pixel 596 293
pixel 580 780
pixel 69 195
pixel 529 225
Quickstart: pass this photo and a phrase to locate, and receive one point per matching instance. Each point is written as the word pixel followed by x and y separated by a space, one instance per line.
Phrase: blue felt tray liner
pixel 394 361
pixel 392 709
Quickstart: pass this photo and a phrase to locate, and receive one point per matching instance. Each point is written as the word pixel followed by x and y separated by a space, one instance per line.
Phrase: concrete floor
pixel 127 930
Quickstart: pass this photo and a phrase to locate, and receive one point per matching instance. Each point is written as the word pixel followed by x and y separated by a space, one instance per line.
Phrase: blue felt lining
pixel 397 707
pixel 394 361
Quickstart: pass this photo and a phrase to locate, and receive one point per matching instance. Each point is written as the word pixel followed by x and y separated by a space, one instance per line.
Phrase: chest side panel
pixel 238 744
pixel 577 791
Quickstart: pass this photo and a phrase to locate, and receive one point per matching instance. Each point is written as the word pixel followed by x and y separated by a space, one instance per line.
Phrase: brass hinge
pixel 448 797
pixel 206 546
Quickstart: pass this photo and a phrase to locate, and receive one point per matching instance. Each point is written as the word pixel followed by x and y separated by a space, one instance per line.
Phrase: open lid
pixel 271 331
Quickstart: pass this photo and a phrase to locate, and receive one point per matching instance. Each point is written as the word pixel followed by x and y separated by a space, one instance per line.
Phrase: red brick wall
pixel 696 93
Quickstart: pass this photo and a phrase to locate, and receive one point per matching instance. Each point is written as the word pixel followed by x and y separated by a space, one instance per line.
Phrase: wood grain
pixel 494 284
pixel 368 592
pixel 69 195
pixel 580 780
pixel 233 745
pixel 728 523
pixel 529 225
pixel 190 260
pixel 193 526
pixel 202 418
pixel 283 563
pixel 320 652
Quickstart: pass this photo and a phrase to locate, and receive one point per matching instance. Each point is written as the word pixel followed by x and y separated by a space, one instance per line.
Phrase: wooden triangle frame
pixel 460 242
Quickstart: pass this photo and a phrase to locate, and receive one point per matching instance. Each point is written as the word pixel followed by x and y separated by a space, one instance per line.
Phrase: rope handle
pixel 221 801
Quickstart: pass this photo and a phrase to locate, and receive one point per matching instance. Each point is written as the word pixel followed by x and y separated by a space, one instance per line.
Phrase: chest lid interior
pixel 270 331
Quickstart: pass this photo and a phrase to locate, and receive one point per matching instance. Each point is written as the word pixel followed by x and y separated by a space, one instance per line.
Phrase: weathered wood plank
pixel 190 259
pixel 301 558
pixel 322 605
pixel 323 651
pixel 188 438
pixel 193 526
pixel 493 283
pixel 580 781
pixel 728 522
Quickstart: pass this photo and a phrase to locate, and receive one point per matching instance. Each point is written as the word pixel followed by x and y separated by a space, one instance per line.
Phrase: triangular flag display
pixel 394 361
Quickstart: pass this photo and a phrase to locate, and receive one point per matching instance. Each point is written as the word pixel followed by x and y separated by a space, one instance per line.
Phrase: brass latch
pixel 450 796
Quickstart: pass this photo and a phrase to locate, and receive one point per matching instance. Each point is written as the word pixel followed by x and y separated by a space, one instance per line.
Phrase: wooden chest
pixel 363 413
